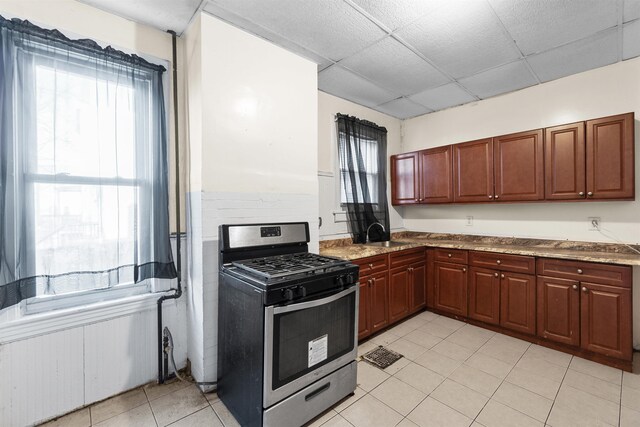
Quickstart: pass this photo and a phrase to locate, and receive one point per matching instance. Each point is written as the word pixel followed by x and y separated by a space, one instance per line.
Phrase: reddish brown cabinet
pixel 473 171
pixel 405 185
pixel 364 314
pixel 407 293
pixel 558 306
pixel 484 295
pixel 450 283
pixel 518 302
pixel 436 175
pixel 519 166
pixel 564 158
pixel 417 291
pixel 610 157
pixel 374 300
pixel 399 285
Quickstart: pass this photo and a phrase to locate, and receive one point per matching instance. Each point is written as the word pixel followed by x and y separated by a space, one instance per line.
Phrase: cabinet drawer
pixel 607 274
pixel 372 265
pixel 456 256
pixel 402 258
pixel 503 262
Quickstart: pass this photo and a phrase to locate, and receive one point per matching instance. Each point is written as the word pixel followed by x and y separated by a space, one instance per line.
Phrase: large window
pixel 83 170
pixel 366 163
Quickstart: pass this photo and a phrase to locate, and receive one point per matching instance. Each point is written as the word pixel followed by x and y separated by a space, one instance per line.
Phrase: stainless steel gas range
pixel 287 333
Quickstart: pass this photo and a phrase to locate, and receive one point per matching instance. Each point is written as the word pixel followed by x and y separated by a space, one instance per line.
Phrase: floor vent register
pixel 381 357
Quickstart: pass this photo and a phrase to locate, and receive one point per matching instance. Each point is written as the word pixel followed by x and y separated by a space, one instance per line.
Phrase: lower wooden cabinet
pixel 364 313
pixel 418 289
pixel 558 310
pixel 450 281
pixel 399 285
pixel 518 302
pixel 374 304
pixel 484 295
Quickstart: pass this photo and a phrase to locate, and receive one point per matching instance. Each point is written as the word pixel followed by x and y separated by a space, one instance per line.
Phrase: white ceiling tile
pixel 330 28
pixel 505 78
pixel 392 65
pixel 396 13
pixel 583 55
pixel 441 97
pixel 402 108
pixel 343 83
pixel 541 25
pixel 163 14
pixel 631 10
pixel 631 40
pixel 462 38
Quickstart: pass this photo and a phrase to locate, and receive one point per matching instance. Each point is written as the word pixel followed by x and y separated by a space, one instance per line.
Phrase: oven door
pixel 308 340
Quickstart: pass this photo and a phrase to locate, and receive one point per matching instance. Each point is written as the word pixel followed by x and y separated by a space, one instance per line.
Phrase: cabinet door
pixel 564 162
pixel 610 160
pixel 518 302
pixel 399 285
pixel 519 166
pixel 364 314
pixel 451 288
pixel 379 302
pixel 484 295
pixel 436 175
pixel 418 295
pixel 558 310
pixel 404 179
pixel 473 171
pixel 430 285
pixel 605 313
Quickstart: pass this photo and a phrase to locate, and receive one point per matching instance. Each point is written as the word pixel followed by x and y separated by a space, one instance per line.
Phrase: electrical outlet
pixel 594 223
pixel 469 221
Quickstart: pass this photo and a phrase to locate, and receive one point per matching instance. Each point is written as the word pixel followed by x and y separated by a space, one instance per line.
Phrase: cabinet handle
pixel 581 193
pixel 589 194
pixel 421 200
pixel 416 200
pixel 575 287
pixel 464 270
pixel 579 271
pixel 495 274
pixel 370 265
pixel 502 276
pixel 370 282
pixel 498 262
pixel 449 255
pixel 584 289
pixel 490 196
pixel 497 196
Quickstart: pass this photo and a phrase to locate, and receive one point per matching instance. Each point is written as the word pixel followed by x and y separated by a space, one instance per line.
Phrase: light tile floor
pixel 453 374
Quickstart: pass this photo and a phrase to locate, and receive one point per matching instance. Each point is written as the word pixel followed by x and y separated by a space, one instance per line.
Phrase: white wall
pixel 252 113
pixel 601 92
pixel 87 354
pixel 333 216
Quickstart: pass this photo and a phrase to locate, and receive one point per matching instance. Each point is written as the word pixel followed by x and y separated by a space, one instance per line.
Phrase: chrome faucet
pixel 369 228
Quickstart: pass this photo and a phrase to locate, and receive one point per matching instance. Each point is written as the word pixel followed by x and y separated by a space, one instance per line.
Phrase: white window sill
pixel 42 323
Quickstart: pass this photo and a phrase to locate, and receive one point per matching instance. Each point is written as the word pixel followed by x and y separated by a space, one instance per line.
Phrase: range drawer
pixel 503 262
pixel 607 274
pixel 372 265
pixel 456 256
pixel 406 257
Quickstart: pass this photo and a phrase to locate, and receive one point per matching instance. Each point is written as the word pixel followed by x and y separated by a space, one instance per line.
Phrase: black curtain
pixel 362 148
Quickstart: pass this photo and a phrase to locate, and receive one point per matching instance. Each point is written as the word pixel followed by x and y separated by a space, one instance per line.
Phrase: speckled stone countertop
pixel 580 251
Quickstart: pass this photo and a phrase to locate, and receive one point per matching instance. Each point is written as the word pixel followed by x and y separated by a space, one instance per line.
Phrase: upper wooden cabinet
pixel 404 179
pixel 473 171
pixel 610 161
pixel 564 160
pixel 519 166
pixel 436 176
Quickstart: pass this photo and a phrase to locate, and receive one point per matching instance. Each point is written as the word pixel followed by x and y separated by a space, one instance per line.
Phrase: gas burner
pixel 286 265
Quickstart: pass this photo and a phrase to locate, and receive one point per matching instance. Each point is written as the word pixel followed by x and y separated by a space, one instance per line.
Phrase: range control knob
pixel 345 279
pixel 288 294
pixel 302 291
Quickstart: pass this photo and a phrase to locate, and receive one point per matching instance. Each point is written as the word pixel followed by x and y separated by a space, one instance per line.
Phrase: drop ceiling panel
pixel 631 10
pixel 396 13
pixel 631 40
pixel 540 25
pixel 392 65
pixel 576 57
pixel 340 82
pixel 442 97
pixel 330 28
pixel 163 14
pixel 461 38
pixel 402 108
pixel 506 78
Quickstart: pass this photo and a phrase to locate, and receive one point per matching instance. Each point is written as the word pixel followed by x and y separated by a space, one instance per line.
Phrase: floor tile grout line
pixel 558 391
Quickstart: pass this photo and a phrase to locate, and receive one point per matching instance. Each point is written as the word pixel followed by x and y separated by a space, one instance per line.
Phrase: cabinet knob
pixel 581 193
pixel 589 194
pixel 497 196
pixel 495 274
pixel 416 200
pixel 579 271
pixel 464 270
pixel 575 287
pixel 370 265
pixel 449 255
pixel 498 262
pixel 490 196
pixel 502 276
pixel 584 289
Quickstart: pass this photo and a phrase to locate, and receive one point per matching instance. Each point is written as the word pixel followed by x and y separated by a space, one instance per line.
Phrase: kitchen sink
pixel 387 244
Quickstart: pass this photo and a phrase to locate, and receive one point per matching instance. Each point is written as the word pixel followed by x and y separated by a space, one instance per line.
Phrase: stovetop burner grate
pixel 286 265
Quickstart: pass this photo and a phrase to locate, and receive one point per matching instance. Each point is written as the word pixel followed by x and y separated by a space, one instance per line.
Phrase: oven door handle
pixel 314 303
